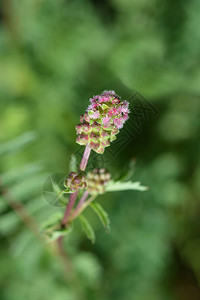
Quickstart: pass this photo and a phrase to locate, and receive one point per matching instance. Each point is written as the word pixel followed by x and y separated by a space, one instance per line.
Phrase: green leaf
pixel 28 188
pixel 122 186
pixel 51 228
pixel 55 234
pixel 73 164
pixel 9 223
pixel 18 143
pixel 87 228
pixel 59 193
pixel 21 173
pixel 102 214
pixel 53 192
pixel 53 221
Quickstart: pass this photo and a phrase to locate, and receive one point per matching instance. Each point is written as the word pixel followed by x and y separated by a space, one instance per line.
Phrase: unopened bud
pixel 74 182
pixel 97 180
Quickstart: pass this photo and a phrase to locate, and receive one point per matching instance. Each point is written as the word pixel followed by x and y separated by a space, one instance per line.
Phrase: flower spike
pixel 100 124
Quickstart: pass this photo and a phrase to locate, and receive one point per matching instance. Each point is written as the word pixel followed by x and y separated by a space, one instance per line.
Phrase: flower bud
pixel 74 182
pixel 97 180
pixel 86 117
pixel 81 118
pixel 82 139
pixel 79 129
pixel 86 128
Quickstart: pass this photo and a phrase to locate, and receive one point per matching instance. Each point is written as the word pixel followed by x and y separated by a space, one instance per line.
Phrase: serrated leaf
pixel 102 214
pixel 122 186
pixel 87 228
pixel 73 164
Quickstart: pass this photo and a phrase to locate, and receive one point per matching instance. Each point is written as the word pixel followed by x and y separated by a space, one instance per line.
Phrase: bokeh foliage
pixel 54 55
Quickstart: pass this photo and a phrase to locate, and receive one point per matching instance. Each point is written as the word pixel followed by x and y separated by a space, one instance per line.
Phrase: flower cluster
pixel 97 180
pixel 74 182
pixel 100 124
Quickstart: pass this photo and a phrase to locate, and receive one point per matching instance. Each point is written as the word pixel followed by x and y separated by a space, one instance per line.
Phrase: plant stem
pixel 70 205
pixel 82 200
pixel 73 196
pixel 72 199
pixel 82 208
pixel 68 266
pixel 85 158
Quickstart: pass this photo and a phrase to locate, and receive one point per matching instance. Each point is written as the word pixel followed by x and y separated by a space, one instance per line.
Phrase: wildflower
pixel 105 115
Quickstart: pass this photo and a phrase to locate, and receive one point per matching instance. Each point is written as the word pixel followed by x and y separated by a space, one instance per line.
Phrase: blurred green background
pixel 55 55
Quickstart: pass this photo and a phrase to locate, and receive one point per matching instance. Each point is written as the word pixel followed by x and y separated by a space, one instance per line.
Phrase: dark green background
pixel 55 55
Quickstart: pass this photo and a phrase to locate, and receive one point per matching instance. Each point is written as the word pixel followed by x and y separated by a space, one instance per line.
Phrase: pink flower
pixel 79 129
pixel 101 99
pixel 125 117
pixel 100 124
pixel 92 106
pixel 119 122
pixel 86 117
pixel 115 101
pixel 109 93
pixel 112 111
pixel 125 107
pixel 106 120
pixel 95 115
